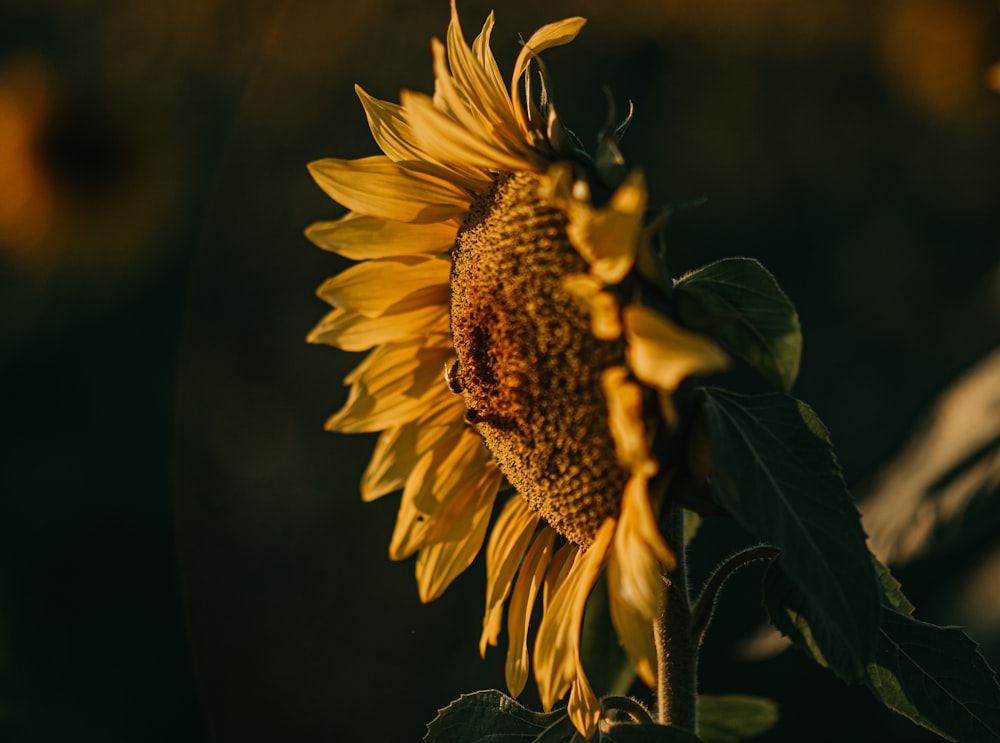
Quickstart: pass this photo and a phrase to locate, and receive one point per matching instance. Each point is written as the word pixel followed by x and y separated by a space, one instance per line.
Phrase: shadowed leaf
pixel 732 718
pixel 774 470
pixel 738 302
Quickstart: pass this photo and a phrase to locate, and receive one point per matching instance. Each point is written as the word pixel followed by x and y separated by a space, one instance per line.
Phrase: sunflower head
pixel 483 254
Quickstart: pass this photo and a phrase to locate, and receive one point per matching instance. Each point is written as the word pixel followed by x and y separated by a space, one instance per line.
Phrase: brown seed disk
pixel 528 364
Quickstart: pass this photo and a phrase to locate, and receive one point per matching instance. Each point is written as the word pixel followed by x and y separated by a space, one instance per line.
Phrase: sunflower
pixel 512 357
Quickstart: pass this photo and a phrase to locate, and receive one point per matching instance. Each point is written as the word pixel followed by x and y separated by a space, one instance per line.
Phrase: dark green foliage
pixel 738 302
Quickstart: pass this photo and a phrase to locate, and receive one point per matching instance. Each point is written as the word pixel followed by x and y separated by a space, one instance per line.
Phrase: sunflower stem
pixel 676 645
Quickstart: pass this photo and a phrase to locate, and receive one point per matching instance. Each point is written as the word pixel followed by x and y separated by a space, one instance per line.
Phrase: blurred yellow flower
pixel 502 359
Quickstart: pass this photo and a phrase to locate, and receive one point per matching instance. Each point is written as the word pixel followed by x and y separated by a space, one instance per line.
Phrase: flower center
pixel 528 366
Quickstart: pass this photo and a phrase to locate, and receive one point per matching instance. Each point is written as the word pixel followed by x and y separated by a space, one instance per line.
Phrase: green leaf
pixel 493 717
pixel 608 667
pixel 892 591
pixel 936 677
pixel 738 302
pixel 773 469
pixel 732 718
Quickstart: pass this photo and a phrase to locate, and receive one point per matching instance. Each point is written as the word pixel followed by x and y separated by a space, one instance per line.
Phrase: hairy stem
pixel 701 615
pixel 676 645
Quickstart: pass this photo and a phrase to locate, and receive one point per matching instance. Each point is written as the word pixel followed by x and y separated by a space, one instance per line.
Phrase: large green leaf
pixel 732 718
pixel 493 717
pixel 774 470
pixel 936 677
pixel 738 302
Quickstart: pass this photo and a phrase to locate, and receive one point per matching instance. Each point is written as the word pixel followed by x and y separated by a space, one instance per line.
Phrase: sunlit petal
pixel 379 187
pixel 509 540
pixel 361 237
pixel 415 281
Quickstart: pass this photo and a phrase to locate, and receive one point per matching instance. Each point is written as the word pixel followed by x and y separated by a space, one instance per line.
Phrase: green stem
pixel 676 646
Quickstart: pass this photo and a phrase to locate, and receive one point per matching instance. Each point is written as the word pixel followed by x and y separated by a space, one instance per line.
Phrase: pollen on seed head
pixel 530 366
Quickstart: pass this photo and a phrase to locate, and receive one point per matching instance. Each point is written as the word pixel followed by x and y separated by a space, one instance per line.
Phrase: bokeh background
pixel 183 553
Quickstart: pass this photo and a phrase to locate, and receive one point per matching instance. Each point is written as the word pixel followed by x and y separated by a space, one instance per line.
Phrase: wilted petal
pixel 663 353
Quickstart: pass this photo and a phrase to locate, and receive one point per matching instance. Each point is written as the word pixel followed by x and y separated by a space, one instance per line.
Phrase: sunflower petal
pixel 379 187
pixel 557 646
pixel 394 135
pixel 640 551
pixel 393 385
pixel 608 238
pixel 352 331
pixel 451 141
pixel 554 34
pixel 400 448
pixel 662 353
pixel 634 630
pixel 360 237
pixel 480 81
pixel 584 707
pixel 441 562
pixel 522 603
pixel 625 417
pixel 374 288
pixel 509 540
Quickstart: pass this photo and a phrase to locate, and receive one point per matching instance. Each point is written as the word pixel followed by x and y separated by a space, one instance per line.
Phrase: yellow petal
pixel 453 142
pixel 625 419
pixel 395 136
pixel 559 568
pixel 554 34
pixel 508 542
pixel 584 707
pixel 608 238
pixel 377 287
pixel 431 491
pixel 522 603
pixel 435 503
pixel 361 237
pixel 353 331
pixel 662 353
pixel 634 630
pixel 380 188
pixel 400 448
pixel 441 562
pixel 640 551
pixel 481 49
pixel 479 79
pixel 393 385
pixel 557 646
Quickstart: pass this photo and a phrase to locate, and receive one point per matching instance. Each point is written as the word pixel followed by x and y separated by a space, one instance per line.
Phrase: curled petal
pixel 663 353
pixel 625 417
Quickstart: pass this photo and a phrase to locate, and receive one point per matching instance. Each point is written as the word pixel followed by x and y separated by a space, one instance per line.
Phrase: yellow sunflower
pixel 511 353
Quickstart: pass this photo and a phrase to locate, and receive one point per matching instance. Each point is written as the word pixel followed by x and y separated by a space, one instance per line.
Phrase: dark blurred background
pixel 183 552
